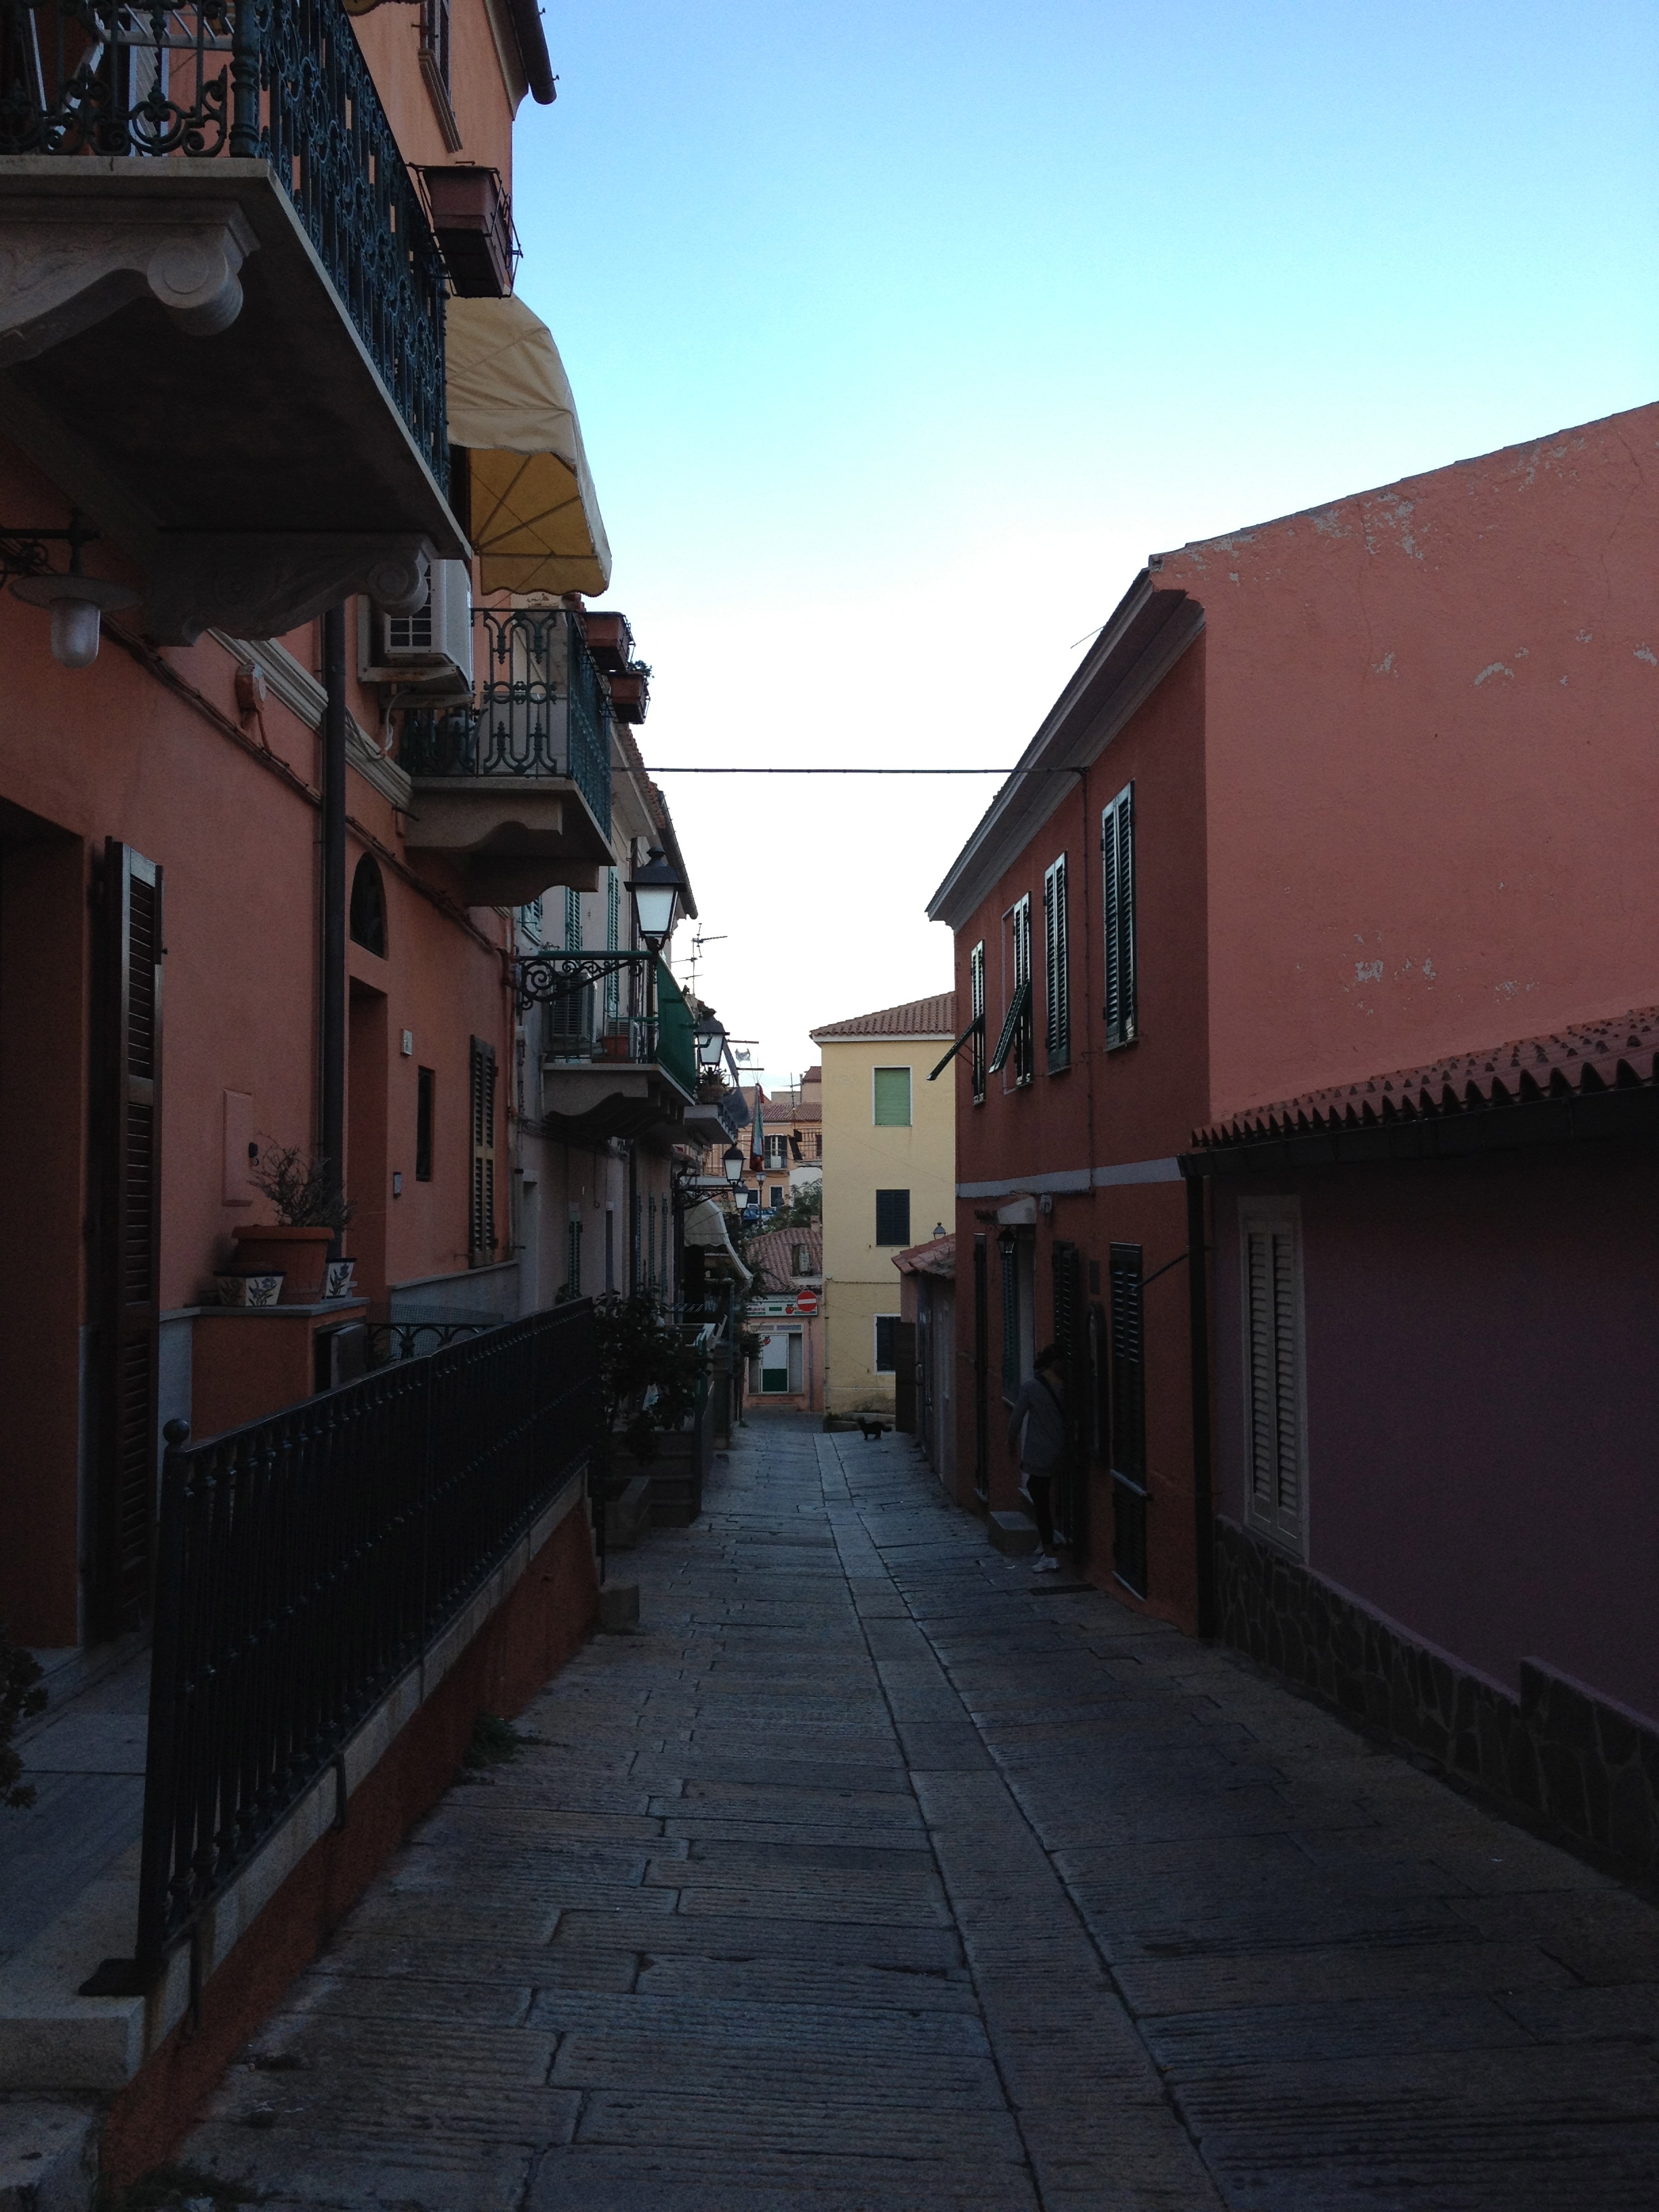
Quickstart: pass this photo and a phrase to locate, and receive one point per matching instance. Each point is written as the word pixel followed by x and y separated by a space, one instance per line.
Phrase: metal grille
pixel 306 1561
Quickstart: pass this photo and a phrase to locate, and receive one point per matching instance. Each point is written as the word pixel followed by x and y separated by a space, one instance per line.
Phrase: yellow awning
pixel 705 1226
pixel 535 516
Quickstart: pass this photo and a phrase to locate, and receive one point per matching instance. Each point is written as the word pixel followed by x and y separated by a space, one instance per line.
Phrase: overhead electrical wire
pixel 677 768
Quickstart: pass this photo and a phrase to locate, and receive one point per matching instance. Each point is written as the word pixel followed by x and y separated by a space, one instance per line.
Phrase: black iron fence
pixel 282 82
pixel 308 1560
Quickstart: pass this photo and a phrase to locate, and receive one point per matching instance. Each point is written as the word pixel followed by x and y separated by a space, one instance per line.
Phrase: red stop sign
pixel 806 1302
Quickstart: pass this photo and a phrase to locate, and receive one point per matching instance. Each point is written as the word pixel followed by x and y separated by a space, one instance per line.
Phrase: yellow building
pixel 888 1180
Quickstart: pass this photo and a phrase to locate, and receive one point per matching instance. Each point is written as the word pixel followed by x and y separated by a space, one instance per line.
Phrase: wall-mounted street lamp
pixel 710 1038
pixel 78 603
pixel 655 889
pixel 731 1161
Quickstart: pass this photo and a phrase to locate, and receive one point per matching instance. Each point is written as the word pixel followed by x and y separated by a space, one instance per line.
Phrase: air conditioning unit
pixel 434 641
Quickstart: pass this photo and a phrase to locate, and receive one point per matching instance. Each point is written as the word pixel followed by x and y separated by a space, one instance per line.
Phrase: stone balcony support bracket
pixel 61 273
pixel 176 357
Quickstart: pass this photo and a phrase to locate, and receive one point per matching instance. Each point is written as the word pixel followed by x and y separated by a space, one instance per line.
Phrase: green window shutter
pixel 1117 864
pixel 1056 965
pixel 1010 1320
pixel 976 994
pixel 893 1097
pixel 481 1225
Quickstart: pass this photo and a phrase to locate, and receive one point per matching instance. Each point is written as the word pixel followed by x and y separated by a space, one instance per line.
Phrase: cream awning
pixel 535 516
pixel 705 1225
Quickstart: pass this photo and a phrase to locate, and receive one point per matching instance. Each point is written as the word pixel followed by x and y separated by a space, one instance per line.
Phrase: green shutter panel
pixel 481 1225
pixel 130 1143
pixel 976 993
pixel 1117 860
pixel 1057 982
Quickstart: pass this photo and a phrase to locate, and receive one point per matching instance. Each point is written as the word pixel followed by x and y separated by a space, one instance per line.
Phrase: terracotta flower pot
pixel 301 1255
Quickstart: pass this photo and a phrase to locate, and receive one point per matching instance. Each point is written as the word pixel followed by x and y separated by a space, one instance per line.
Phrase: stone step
pixel 48 2154
pixel 1013 1533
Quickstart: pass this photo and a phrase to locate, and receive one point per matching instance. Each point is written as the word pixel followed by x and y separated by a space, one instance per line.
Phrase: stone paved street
pixel 873 1876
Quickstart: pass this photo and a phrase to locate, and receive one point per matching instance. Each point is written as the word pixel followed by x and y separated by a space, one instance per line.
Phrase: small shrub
pixel 495 1742
pixel 306 1192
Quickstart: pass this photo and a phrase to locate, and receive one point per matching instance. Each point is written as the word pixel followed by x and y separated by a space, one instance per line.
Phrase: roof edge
pixel 1147 633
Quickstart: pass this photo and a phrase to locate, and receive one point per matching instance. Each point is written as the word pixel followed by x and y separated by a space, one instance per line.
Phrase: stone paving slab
pixel 870 1877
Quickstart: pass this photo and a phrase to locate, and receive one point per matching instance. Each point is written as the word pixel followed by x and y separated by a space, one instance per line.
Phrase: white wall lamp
pixel 78 603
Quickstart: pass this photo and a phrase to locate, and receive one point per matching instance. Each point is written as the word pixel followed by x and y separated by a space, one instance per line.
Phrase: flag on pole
pixel 757 1136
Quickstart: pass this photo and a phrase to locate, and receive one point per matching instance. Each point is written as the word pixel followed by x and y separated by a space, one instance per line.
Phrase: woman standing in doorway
pixel 1037 1430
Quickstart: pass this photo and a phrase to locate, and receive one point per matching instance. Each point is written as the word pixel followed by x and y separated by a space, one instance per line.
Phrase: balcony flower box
pixel 630 693
pixel 608 640
pixel 472 221
pixel 300 1255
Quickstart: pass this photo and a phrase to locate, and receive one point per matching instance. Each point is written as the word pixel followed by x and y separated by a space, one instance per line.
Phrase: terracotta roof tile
pixel 938 1257
pixel 934 1017
pixel 772 1257
pixel 1619 1053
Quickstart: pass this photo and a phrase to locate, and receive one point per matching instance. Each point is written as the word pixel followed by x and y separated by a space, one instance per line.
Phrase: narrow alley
pixel 871 1875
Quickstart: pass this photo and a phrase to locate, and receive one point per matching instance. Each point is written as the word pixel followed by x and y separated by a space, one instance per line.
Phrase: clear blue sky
pixel 902 334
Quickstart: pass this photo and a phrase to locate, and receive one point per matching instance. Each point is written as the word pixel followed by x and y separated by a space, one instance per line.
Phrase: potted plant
pixel 311 1213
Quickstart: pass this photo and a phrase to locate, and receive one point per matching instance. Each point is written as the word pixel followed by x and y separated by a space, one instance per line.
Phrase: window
pixel 1127 1332
pixel 435 67
pixel 803 1259
pixel 1056 979
pixel 1117 906
pixel 977 1011
pixel 367 921
pixel 426 1092
pixel 892 1216
pixel 891 1096
pixel 775 1198
pixel 1275 1432
pixel 777 1151
pixel 481 1212
pixel 1015 1038
pixel 887 1343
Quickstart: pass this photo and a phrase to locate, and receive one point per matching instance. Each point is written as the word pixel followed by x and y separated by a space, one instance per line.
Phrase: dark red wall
pixel 1133 1105
pixel 1483 1402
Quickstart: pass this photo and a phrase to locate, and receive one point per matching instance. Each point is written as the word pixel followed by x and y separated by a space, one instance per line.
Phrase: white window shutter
pixel 1273 1329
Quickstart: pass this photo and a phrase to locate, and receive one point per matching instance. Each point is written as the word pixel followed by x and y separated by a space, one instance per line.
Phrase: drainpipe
pixel 1198 1328
pixel 332 1043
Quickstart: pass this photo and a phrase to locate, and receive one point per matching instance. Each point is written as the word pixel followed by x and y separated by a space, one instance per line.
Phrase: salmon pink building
pixel 322 832
pixel 1353 791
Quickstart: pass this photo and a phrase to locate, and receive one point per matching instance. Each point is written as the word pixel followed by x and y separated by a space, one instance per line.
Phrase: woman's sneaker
pixel 1047 1564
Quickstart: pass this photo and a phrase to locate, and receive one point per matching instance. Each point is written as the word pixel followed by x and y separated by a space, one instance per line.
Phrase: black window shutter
pixel 481 1223
pixel 1071 1492
pixel 981 1368
pixel 1058 1035
pixel 893 1216
pixel 130 1145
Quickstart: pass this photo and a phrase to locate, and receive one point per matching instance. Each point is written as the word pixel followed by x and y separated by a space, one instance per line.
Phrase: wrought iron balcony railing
pixel 283 82
pixel 308 1560
pixel 539 709
pixel 596 1013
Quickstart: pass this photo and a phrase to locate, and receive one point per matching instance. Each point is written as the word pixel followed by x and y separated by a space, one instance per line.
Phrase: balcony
pixel 610 1067
pixel 221 329
pixel 515 788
